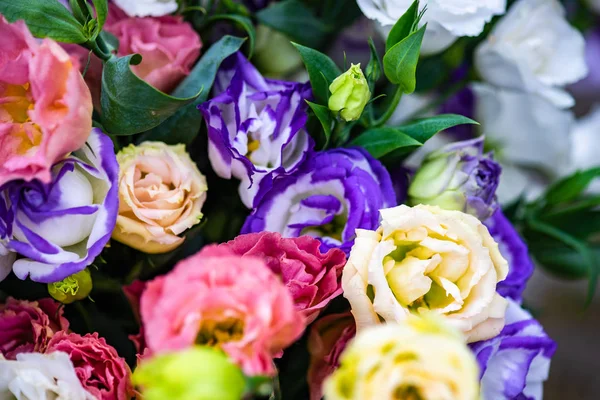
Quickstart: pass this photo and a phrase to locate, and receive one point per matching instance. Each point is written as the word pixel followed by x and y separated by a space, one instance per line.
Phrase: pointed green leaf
pixel 403 27
pixel 424 129
pixel 374 67
pixel 381 141
pixel 242 21
pixel 101 7
pixel 572 186
pixel 321 71
pixel 324 116
pixel 400 62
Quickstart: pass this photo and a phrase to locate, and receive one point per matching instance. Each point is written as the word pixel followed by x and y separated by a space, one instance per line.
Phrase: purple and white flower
pixel 514 249
pixel 515 364
pixel 328 197
pixel 59 228
pixel 255 126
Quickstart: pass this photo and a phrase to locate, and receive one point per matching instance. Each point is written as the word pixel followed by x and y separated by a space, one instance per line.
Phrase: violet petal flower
pixel 255 126
pixel 330 196
pixel 60 227
pixel 514 249
pixel 515 364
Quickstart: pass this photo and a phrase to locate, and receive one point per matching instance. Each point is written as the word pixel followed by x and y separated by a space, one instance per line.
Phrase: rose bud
pixel 75 287
pixel 349 93
pixel 458 177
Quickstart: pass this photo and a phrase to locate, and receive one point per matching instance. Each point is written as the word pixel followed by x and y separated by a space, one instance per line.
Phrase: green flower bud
pixel 349 93
pixel 75 287
pixel 199 373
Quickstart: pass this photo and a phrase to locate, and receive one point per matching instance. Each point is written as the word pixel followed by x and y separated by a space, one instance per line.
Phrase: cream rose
pixel 161 193
pixel 424 260
pixel 418 359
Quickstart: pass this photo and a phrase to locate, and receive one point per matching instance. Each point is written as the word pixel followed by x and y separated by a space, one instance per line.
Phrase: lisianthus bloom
pixel 45 106
pixel 446 20
pixel 161 194
pixel 533 48
pixel 98 366
pixel 61 226
pixel 328 338
pixel 196 373
pixel 417 359
pixel 313 278
pixel 147 8
pixel 28 326
pixel 427 260
pixel 41 377
pixel 514 249
pixel 220 299
pixel 329 196
pixel 255 126
pixel 459 176
pixel 169 47
pixel 515 363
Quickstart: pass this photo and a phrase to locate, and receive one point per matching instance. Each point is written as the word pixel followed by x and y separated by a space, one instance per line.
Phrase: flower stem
pixel 391 108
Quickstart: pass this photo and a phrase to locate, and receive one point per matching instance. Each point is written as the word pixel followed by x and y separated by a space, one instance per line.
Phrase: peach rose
pixel 45 106
pixel 161 193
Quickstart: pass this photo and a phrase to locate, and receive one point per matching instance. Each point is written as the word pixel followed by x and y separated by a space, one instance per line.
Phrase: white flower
pixel 35 376
pixel 147 8
pixel 7 258
pixel 446 19
pixel 533 48
pixel 585 139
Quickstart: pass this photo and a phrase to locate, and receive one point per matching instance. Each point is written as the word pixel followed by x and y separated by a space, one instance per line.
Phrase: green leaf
pixel 324 116
pixel 45 18
pixel 403 27
pixel 381 141
pixel 184 125
pixel 130 105
pixel 374 67
pixel 559 259
pixel 321 71
pixel 244 22
pixel 110 40
pixel 572 186
pixel 296 21
pixel 424 129
pixel 400 62
pixel 101 7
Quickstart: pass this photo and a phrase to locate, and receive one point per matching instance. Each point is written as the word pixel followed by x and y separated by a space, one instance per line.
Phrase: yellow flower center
pixel 253 145
pixel 15 104
pixel 214 333
pixel 407 392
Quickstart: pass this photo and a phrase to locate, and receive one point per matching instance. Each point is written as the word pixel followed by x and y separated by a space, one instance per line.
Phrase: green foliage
pixel 324 116
pixel 404 26
pixel 382 141
pixel 321 71
pixel 400 62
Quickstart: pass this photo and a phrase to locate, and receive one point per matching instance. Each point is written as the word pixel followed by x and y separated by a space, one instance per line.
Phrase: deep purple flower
pixel 328 197
pixel 461 103
pixel 514 249
pixel 60 227
pixel 589 87
pixel 256 5
pixel 255 126
pixel 459 176
pixel 515 364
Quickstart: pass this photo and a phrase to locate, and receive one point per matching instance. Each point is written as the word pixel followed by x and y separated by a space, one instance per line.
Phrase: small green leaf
pixel 324 116
pixel 424 129
pixel 101 7
pixel 296 21
pixel 321 71
pixel 400 62
pixel 572 186
pixel 374 67
pixel 45 18
pixel 130 105
pixel 184 125
pixel 244 22
pixel 403 27
pixel 111 40
pixel 381 141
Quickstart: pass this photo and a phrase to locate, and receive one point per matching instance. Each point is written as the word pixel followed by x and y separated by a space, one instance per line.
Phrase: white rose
pixel 147 8
pixel 585 139
pixel 533 48
pixel 446 20
pixel 35 376
pixel 424 260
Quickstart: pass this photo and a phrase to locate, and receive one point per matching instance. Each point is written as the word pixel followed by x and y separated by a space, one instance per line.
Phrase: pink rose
pixel 168 45
pixel 28 326
pixel 98 366
pixel 45 106
pixel 327 340
pixel 217 298
pixel 313 278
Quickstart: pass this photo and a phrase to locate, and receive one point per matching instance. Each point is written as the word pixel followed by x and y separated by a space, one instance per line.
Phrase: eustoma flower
pixel 533 48
pixel 458 177
pixel 515 363
pixel 219 299
pixel 255 126
pixel 446 19
pixel 161 194
pixel 427 260
pixel 330 196
pixel 45 106
pixel 61 226
pixel 313 278
pixel 418 359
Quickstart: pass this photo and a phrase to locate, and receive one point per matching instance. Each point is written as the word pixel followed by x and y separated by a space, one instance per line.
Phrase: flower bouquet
pixel 290 199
